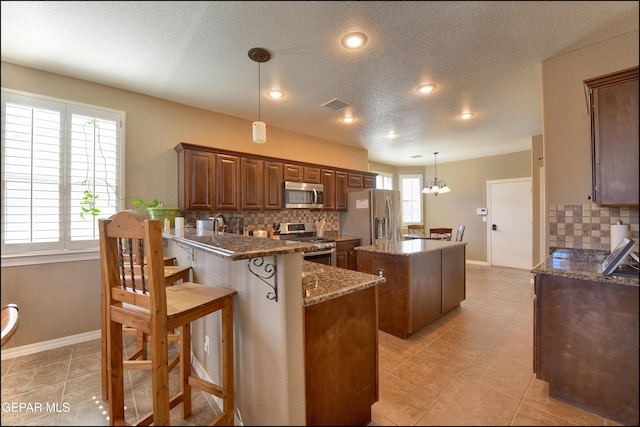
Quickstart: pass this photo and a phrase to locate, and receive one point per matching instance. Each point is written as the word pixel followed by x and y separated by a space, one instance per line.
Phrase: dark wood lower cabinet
pixel 346 255
pixel 341 359
pixel 421 287
pixel 586 344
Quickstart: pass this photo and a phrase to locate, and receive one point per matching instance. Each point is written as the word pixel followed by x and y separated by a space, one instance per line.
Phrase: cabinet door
pixel 346 255
pixel 341 191
pixel 369 181
pixel 614 138
pixel 312 175
pixel 453 278
pixel 198 179
pixel 227 182
pixel 356 180
pixel 251 175
pixel 272 185
pixel 329 188
pixel 293 173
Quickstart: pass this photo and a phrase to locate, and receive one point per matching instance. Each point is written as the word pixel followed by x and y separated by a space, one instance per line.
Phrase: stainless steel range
pixel 324 251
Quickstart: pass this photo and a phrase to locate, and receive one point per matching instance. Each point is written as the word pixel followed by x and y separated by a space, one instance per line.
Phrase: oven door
pixel 327 257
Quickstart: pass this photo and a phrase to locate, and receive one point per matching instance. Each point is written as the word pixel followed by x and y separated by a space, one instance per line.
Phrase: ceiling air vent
pixel 336 104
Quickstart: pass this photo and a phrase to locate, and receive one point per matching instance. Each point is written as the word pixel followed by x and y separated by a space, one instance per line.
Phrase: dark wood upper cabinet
pixel 312 175
pixel 293 173
pixel 196 179
pixel 613 108
pixel 273 185
pixel 329 188
pixel 251 181
pixel 227 182
pixel 356 181
pixel 212 179
pixel 341 190
pixel 369 181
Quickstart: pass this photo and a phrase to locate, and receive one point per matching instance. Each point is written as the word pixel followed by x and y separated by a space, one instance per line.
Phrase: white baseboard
pixel 470 261
pixel 48 345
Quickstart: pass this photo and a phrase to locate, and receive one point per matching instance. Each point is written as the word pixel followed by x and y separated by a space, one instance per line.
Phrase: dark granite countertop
pixel 340 237
pixel 580 264
pixel 409 247
pixel 235 246
pixel 322 282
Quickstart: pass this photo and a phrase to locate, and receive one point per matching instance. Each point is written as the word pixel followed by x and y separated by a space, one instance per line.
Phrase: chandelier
pixel 436 185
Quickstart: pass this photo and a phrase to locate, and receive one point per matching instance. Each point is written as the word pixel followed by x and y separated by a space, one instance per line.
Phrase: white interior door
pixel 510 223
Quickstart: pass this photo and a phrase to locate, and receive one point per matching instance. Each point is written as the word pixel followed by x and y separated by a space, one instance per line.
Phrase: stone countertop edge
pixel 585 264
pixel 319 282
pixel 235 246
pixel 322 282
pixel 409 247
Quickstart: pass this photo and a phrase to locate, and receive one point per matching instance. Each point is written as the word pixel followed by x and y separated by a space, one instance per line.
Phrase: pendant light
pixel 437 185
pixel 259 55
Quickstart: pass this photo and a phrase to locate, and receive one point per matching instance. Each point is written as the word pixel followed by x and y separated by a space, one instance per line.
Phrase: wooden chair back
pixel 416 229
pixel 440 233
pixel 459 233
pixel 9 322
pixel 126 236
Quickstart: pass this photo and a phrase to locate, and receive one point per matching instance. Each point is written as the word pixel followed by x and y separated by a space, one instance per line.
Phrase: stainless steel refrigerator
pixel 374 215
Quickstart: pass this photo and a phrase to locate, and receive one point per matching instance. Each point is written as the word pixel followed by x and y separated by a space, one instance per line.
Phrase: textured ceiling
pixel 484 57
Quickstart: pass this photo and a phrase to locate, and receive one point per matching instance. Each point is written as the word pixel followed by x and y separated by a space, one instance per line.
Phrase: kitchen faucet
pixel 219 223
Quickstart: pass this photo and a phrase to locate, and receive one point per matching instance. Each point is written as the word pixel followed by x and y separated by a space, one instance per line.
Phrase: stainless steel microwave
pixel 303 195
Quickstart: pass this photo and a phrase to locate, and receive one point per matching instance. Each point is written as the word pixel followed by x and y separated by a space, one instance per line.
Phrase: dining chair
pixel 440 233
pixel 136 295
pixel 459 233
pixel 9 322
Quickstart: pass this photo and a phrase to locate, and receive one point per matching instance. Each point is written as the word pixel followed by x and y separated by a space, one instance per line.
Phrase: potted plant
pixel 155 209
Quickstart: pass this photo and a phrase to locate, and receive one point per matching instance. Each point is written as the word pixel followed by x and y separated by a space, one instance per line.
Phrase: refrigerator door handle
pixel 390 219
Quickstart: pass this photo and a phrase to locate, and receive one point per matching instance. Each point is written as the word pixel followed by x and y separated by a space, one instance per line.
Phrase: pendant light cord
pixel 259 91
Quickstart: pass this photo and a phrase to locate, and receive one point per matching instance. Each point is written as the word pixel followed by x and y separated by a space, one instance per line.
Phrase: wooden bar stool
pixel 172 274
pixel 137 296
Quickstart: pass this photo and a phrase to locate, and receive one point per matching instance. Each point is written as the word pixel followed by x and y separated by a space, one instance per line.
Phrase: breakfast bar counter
pixel 283 312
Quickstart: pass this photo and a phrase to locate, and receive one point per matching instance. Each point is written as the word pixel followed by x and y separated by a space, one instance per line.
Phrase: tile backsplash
pixel 588 226
pixel 259 220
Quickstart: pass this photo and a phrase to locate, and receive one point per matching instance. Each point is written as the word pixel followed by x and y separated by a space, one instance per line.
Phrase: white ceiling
pixel 484 57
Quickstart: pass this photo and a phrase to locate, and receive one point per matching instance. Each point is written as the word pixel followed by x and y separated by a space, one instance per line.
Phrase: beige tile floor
pixel 472 367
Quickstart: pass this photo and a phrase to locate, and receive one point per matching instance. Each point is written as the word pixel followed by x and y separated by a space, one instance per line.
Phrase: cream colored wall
pixel 59 300
pixel 566 128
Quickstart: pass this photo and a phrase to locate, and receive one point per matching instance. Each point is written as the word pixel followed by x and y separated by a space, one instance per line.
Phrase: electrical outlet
pixel 381 272
pixel 206 344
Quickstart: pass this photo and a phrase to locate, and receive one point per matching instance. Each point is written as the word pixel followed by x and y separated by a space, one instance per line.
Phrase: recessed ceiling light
pixel 348 119
pixel 426 88
pixel 391 134
pixel 466 116
pixel 354 40
pixel 276 93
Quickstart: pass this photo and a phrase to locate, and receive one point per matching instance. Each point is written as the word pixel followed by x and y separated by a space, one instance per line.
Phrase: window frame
pixel 67 249
pixel 418 200
pixel 381 176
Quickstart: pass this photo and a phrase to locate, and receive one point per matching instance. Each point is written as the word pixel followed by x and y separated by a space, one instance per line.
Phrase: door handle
pixel 494 227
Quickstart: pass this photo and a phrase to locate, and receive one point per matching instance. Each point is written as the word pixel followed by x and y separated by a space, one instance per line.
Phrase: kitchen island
pixel 425 280
pixel 586 334
pixel 280 306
